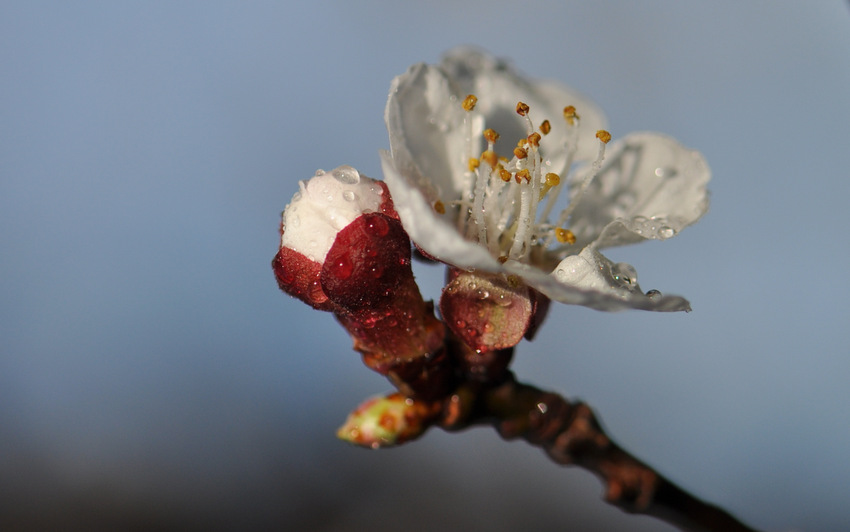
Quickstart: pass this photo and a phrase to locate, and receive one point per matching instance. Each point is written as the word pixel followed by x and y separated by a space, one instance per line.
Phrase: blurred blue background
pixel 152 375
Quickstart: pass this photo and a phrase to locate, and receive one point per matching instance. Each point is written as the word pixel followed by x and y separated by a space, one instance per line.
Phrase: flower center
pixel 509 199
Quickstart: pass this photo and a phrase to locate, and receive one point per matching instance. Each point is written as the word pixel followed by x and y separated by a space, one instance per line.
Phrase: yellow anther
pixel 490 158
pixel 503 259
pixel 570 115
pixel 473 164
pixel 439 207
pixel 520 153
pixel 491 135
pixel 522 142
pixel 505 175
pixel 545 127
pixel 521 109
pixel 565 236
pixel 534 139
pixel 524 174
pixel 604 136
pixel 469 102
pixel 553 179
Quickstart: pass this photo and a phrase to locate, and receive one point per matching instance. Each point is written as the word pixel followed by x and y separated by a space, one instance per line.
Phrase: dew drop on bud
pixel 654 295
pixel 378 226
pixel 342 267
pixel 349 195
pixel 346 174
pixel 624 273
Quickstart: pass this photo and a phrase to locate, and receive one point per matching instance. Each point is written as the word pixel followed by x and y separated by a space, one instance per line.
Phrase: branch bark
pixel 570 433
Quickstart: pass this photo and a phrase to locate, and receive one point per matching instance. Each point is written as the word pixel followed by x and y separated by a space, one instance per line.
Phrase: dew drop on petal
pixel 654 295
pixel 295 221
pixel 624 273
pixel 346 174
pixel 320 172
pixel 665 231
pixel 349 195
pixel 665 172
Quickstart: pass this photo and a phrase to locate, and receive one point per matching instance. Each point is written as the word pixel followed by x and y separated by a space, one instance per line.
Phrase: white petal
pixel 589 279
pixel 429 230
pixel 650 187
pixel 324 205
pixel 425 123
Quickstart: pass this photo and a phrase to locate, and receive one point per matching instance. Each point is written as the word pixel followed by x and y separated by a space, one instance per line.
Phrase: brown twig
pixel 571 434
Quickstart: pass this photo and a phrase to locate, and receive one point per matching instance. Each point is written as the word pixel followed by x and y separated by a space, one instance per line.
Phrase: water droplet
pixel 349 195
pixel 330 198
pixel 378 225
pixel 665 231
pixel 503 301
pixel 342 267
pixel 320 172
pixel 346 174
pixel 654 295
pixel 460 324
pixel 295 221
pixel 665 172
pixel 377 271
pixel 482 294
pixel 296 197
pixel 315 292
pixel 624 273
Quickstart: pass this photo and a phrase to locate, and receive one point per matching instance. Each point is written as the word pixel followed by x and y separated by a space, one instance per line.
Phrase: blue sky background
pixel 151 372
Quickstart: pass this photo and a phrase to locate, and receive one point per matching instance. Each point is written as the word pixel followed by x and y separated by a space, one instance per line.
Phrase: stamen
pixel 523 174
pixel 473 164
pixel 572 118
pixel 439 207
pixel 565 236
pixel 490 158
pixel 505 175
pixel 570 115
pixel 469 102
pixel 522 109
pixel 545 127
pixel 534 139
pixel 553 179
pixel 490 135
pixel 603 137
pixel 520 153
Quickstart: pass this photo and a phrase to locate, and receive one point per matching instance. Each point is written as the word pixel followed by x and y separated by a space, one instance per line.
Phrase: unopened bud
pixel 387 421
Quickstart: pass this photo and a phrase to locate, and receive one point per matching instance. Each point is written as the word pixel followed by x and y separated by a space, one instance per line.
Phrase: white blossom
pixel 489 171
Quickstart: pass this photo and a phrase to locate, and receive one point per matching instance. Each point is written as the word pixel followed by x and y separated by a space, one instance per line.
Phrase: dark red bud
pixel 487 312
pixel 366 263
pixel 298 276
